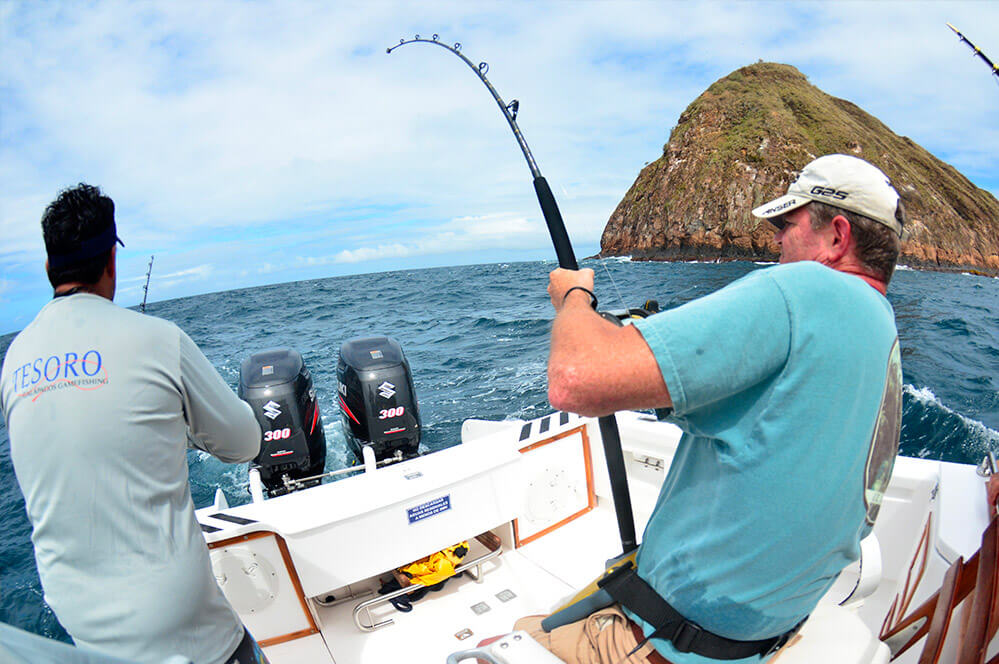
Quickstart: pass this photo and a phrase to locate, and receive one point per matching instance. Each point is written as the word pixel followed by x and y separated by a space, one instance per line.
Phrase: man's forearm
pixel 596 367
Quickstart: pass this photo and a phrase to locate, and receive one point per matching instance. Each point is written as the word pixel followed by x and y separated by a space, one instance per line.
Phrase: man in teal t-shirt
pixel 787 386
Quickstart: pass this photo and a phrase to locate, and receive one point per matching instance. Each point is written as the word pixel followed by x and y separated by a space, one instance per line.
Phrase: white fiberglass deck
pixel 341 534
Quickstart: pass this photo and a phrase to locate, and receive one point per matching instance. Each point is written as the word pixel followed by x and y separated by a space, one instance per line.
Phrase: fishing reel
pixel 621 316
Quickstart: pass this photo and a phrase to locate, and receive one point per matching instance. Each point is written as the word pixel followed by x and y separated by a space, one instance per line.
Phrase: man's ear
pixel 111 268
pixel 842 237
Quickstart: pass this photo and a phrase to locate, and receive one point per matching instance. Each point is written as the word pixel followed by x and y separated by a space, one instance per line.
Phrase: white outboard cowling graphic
pixel 272 410
pixel 386 390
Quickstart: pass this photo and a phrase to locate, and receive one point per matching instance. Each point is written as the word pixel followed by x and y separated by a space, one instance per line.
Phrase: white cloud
pixel 216 122
pixel 492 231
pixel 198 273
pixel 372 253
pixel 501 227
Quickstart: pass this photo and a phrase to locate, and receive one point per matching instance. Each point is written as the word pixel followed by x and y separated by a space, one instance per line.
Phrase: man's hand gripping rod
pixel 566 259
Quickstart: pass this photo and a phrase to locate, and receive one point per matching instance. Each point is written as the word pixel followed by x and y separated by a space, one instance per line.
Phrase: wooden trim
pixel 974 645
pixel 925 546
pixel 900 605
pixel 296 583
pixel 564 434
pixel 553 527
pixel 939 619
pixel 284 638
pixel 240 538
pixel 951 593
pixel 591 496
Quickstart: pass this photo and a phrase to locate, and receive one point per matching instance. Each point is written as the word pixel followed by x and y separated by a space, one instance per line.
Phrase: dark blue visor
pixel 87 249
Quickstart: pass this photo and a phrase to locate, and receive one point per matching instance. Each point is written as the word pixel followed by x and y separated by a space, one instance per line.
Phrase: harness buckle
pixel 685 636
pixel 783 639
pixel 778 644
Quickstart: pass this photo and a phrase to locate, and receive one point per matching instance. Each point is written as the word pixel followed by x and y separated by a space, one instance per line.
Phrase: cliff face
pixel 740 144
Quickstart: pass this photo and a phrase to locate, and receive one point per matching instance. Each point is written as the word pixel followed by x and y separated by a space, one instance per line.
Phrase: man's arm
pixel 220 423
pixel 595 367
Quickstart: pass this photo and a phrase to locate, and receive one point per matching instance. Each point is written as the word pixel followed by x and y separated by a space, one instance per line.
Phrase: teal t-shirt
pixel 787 386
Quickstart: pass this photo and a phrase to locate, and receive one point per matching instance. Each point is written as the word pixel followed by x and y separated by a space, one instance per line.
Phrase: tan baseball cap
pixel 844 181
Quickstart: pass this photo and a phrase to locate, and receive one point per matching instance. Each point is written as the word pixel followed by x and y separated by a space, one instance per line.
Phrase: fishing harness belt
pixel 632 592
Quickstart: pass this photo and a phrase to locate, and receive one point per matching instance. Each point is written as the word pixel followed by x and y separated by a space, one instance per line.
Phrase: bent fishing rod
pixel 977 51
pixel 566 259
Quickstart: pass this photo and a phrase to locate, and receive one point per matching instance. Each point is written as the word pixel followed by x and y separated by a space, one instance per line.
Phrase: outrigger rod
pixel 978 51
pixel 145 289
pixel 566 259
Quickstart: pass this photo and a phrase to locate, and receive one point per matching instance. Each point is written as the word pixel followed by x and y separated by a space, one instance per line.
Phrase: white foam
pixel 904 268
pixel 979 432
pixel 924 395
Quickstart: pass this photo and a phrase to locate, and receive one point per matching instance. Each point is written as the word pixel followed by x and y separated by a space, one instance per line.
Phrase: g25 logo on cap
pixel 819 190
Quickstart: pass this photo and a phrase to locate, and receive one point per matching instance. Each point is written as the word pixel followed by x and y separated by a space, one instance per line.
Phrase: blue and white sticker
pixel 429 509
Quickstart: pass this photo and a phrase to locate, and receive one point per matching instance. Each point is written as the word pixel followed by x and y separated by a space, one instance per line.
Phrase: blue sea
pixel 477 341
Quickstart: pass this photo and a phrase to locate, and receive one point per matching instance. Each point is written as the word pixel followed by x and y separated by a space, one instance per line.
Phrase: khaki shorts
pixel 604 637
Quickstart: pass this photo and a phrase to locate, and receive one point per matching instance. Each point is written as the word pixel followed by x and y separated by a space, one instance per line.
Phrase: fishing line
pixel 624 303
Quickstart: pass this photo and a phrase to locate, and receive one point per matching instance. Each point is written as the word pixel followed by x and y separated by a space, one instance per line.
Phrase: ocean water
pixel 477 341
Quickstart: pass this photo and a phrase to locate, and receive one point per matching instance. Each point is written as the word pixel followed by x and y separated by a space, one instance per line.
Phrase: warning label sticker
pixel 429 509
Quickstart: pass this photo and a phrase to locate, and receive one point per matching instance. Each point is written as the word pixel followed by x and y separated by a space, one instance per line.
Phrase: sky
pixel 249 143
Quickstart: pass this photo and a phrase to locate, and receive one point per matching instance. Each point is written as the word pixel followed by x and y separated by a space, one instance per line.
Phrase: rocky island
pixel 740 144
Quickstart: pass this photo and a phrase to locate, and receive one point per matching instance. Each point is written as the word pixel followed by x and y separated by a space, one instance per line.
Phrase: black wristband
pixel 593 298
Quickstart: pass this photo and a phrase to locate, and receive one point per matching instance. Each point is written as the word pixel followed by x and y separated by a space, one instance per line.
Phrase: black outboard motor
pixel 376 398
pixel 278 387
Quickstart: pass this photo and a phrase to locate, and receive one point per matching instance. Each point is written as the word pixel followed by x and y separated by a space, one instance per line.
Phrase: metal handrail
pixel 381 599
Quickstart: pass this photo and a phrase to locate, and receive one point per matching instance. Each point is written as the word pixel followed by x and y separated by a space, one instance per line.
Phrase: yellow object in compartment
pixel 437 566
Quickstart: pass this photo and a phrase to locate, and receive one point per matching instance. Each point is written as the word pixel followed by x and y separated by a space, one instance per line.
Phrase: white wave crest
pixel 978 432
pixel 923 395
